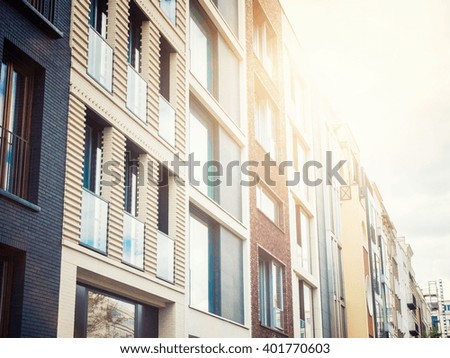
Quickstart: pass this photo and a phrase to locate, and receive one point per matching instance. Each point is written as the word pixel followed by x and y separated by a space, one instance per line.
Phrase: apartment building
pixel 445 318
pixel 301 207
pixel 34 81
pixel 329 226
pixel 218 247
pixel 125 202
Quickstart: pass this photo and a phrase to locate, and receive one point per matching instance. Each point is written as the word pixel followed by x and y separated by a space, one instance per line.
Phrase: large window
pixel 268 205
pixel 94 209
pixel 102 315
pixel 216 269
pixel 133 230
pixel 303 238
pixel 306 311
pixel 271 291
pixel 16 92
pixel 202 48
pixel 169 7
pixel 264 43
pixel 266 126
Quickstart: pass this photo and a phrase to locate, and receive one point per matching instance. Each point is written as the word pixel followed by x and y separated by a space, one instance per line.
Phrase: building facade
pixel 124 229
pixel 34 82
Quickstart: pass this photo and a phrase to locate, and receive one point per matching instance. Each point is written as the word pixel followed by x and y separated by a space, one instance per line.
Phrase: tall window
pixel 266 126
pixel 202 49
pixel 271 288
pixel 303 238
pixel 169 7
pixel 163 200
pixel 216 269
pixel 268 205
pixel 306 311
pixel 131 182
pixel 98 16
pixel 264 44
pixel 92 158
pixel 16 92
pixel 135 38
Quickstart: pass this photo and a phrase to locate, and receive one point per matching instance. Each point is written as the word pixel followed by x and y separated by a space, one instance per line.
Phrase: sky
pixel 384 65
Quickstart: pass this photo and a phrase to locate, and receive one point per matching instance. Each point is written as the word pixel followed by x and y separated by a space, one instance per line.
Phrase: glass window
pixel 271 293
pixel 230 12
pixel 265 127
pixel 131 182
pixel 216 270
pixel 303 238
pixel 98 16
pixel 101 315
pixel 135 37
pixel 267 205
pixel 92 158
pixel 264 45
pixel 201 44
pixel 16 90
pixel 169 7
pixel 306 311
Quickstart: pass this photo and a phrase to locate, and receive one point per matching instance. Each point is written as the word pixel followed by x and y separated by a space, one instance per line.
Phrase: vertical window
pixel 202 49
pixel 306 311
pixel 264 44
pixel 202 146
pixel 94 209
pixel 92 158
pixel 266 127
pixel 267 205
pixel 133 228
pixel 102 315
pixel 230 12
pixel 98 16
pixel 135 37
pixel 216 270
pixel 271 293
pixel 163 200
pixel 16 92
pixel 303 238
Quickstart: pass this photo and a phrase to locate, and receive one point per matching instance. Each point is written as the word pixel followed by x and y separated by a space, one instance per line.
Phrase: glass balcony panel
pixel 169 7
pixel 166 121
pixel 133 241
pixel 100 59
pixel 165 257
pixel 94 221
pixel 137 94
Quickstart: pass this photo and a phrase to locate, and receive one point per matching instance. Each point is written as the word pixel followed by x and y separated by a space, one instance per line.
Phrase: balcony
pixel 165 257
pixel 169 7
pixel 100 60
pixel 45 7
pixel 137 94
pixel 94 221
pixel 414 330
pixel 412 305
pixel 166 121
pixel 133 241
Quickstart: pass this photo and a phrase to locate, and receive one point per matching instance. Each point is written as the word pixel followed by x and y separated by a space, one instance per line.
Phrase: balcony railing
pixel 165 257
pixel 14 163
pixel 133 241
pixel 45 7
pixel 166 121
pixel 94 221
pixel 169 7
pixel 100 59
pixel 137 94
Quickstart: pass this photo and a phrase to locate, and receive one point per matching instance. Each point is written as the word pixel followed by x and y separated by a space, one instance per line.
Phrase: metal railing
pixel 14 163
pixel 166 121
pixel 165 257
pixel 137 94
pixel 133 241
pixel 45 7
pixel 94 221
pixel 100 59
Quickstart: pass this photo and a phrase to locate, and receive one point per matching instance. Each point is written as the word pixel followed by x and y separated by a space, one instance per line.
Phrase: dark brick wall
pixel 38 234
pixel 264 234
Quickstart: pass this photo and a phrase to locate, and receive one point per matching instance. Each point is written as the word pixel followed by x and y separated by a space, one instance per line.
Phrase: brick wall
pixel 38 234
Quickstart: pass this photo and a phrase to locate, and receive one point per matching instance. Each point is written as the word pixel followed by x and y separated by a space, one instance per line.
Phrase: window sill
pixel 219 317
pixel 19 200
pixel 273 329
pixel 39 19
